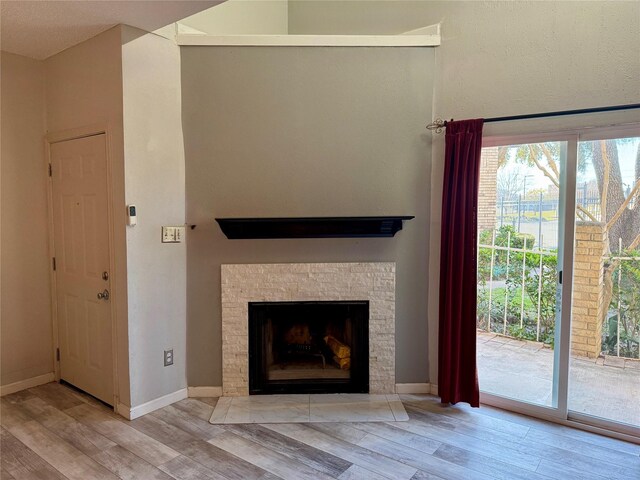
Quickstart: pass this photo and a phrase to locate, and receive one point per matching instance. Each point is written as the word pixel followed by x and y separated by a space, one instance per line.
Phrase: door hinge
pixel 50 170
pixel 58 354
pixel 53 261
pixel 560 277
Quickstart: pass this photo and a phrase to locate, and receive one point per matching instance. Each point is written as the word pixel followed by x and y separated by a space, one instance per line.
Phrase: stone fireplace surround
pixel 289 282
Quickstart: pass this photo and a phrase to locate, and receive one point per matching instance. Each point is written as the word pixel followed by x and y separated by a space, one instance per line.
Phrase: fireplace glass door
pixel 308 347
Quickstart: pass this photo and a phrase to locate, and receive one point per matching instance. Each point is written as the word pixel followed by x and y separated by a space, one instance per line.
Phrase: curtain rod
pixel 438 124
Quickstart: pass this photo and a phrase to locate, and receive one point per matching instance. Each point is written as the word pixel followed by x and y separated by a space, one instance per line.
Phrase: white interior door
pixel 81 239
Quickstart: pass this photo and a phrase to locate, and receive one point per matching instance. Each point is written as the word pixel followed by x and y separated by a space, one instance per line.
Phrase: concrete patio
pixel 606 387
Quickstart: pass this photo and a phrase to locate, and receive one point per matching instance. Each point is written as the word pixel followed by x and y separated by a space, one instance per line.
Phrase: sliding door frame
pixel 627 431
pixel 559 411
pixel 566 229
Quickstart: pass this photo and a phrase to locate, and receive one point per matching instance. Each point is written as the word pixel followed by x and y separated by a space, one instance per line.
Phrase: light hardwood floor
pixel 54 432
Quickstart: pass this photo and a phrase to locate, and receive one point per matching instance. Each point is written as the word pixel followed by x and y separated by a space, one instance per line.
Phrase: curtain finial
pixel 437 126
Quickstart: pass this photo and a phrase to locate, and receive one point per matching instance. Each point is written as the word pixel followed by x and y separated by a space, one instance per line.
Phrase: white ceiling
pixel 39 29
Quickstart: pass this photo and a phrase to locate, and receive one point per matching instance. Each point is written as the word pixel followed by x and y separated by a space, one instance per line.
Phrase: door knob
pixel 103 295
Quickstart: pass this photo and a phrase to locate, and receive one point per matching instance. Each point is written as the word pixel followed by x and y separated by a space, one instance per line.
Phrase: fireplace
pixel 341 284
pixel 309 347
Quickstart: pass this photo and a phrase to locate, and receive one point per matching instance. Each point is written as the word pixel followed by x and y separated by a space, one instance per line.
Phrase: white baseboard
pixel 195 392
pixel 413 388
pixel 131 413
pixel 28 383
pixel 434 389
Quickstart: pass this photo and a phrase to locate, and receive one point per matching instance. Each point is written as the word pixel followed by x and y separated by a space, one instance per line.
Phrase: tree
pixel 621 221
pixel 509 183
pixel 619 210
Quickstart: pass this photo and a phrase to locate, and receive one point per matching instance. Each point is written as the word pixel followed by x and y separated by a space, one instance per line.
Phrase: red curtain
pixel 457 373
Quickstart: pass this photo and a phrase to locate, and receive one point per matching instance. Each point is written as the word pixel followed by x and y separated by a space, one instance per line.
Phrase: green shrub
pixel 513 286
pixel 627 294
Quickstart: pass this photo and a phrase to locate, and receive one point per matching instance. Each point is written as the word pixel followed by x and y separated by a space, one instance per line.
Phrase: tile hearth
pixel 309 409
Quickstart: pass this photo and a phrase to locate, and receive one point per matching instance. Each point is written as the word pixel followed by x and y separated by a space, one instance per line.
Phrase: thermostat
pixel 132 218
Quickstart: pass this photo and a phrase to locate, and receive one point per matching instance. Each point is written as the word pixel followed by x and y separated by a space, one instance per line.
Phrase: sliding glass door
pixel 559 276
pixel 604 374
pixel 520 224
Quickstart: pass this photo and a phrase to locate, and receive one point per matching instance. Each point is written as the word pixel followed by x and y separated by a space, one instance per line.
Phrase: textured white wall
pixel 27 350
pixel 242 17
pixel 154 182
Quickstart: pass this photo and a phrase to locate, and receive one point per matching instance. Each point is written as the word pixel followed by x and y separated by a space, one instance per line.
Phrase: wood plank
pixel 459 426
pixel 596 451
pixel 419 460
pixel 20 462
pixel 65 458
pixel 398 435
pixel 356 472
pixel 483 464
pixel 558 429
pixel 198 450
pixel 505 451
pixel 511 451
pixel 312 457
pixel 420 475
pixel 564 472
pixel 4 475
pixel 343 431
pixel 57 395
pixel 191 424
pixel 578 461
pixel 352 453
pixel 269 476
pixel 266 458
pixel 195 408
pixel 208 400
pixel 184 468
pixel 77 434
pixel 112 426
pixel 12 414
pixel 128 466
pixel 433 405
pixel 19 397
pixel 517 448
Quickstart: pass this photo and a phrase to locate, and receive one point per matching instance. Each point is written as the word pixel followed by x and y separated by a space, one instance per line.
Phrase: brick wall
pixel 487 189
pixel 588 289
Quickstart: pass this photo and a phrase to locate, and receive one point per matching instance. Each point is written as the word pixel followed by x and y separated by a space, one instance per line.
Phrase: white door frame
pixel 66 135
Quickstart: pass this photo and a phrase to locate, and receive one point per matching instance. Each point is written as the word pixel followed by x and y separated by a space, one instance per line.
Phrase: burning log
pixel 345 363
pixel 337 347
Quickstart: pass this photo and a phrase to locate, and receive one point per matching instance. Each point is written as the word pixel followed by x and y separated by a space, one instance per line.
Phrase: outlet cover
pixel 168 357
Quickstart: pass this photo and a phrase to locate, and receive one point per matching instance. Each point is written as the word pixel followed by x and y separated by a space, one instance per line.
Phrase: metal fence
pixel 539 216
pixel 498 313
pixel 626 322
pixel 507 317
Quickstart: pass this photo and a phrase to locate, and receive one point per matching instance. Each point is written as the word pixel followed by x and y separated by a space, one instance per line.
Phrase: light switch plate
pixel 172 234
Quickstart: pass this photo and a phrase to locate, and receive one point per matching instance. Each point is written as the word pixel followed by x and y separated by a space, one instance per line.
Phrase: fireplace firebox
pixel 308 347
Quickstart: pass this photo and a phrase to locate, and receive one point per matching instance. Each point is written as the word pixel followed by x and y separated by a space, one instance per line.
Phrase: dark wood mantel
pixel 311 227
